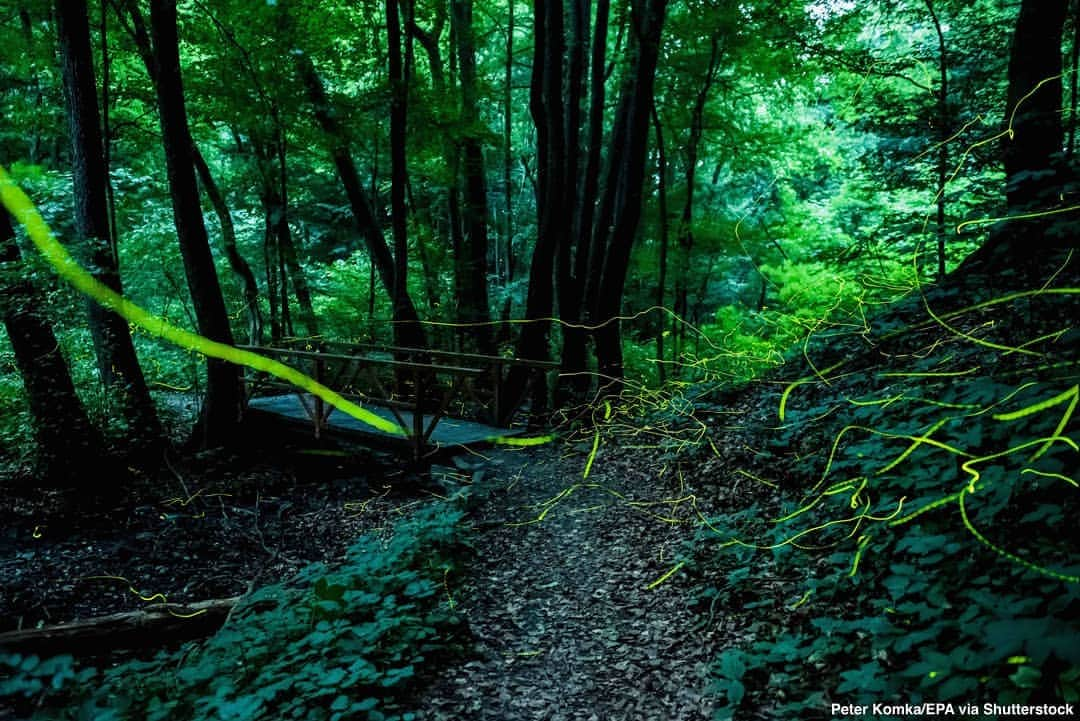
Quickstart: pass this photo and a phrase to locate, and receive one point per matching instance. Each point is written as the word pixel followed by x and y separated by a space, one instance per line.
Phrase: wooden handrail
pixel 389 362
pixel 481 357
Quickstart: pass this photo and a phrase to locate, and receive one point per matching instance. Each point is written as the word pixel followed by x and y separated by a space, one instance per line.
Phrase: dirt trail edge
pixel 566 625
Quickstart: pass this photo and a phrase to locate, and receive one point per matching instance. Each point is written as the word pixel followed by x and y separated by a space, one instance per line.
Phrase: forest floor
pixel 209 526
pixel 567 596
pixel 561 601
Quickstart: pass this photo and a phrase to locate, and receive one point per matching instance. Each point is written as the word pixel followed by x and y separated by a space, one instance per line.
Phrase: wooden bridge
pixel 439 399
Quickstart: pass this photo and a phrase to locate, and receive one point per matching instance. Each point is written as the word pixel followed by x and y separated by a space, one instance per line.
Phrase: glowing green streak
pixel 674 569
pixel 511 441
pixel 802 601
pixel 803 381
pixel 928 507
pixel 864 541
pixel 943 374
pixel 592 454
pixel 1007 554
pixel 1072 395
pixel 915 444
pixel 751 476
pixel 1044 474
pixel 975 475
pixel 23 210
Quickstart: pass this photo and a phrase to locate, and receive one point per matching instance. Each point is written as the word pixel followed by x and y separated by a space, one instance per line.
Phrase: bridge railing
pixel 419 386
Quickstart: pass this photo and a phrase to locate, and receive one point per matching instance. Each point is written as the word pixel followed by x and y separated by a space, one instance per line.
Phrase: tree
pixel 222 405
pixel 228 238
pixel 407 330
pixel 474 290
pixel 67 443
pixel 118 365
pixel 620 208
pixel 1036 174
pixel 588 220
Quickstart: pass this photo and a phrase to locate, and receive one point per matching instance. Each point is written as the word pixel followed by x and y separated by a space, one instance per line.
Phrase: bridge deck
pixel 448 433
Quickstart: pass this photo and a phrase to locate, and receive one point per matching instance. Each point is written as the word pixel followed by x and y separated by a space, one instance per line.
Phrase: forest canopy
pixel 379 318
pixel 620 188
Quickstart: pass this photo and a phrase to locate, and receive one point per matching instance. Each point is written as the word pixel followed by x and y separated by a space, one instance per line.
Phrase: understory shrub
pixel 926 553
pixel 332 643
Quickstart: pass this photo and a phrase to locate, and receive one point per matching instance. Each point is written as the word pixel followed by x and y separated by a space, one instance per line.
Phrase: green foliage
pixel 332 643
pixel 927 555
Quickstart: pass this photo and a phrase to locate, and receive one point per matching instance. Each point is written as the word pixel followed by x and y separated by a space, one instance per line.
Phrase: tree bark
pixel 647 18
pixel 118 365
pixel 150 627
pixel 228 239
pixel 534 341
pixel 474 301
pixel 222 406
pixel 942 123
pixel 406 326
pixel 398 169
pixel 1033 148
pixel 67 443
pixel 662 261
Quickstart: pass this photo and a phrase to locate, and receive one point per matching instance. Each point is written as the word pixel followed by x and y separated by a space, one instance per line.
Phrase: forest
pixel 568 359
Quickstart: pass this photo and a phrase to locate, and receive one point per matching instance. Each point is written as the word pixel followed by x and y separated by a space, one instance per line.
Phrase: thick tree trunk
pixel 67 443
pixel 118 365
pixel 228 239
pixel 475 291
pixel 534 341
pixel 407 326
pixel 1034 106
pixel 569 285
pixel 647 18
pixel 1035 172
pixel 223 404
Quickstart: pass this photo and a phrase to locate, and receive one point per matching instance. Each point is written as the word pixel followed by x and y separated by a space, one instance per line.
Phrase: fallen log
pixel 150 627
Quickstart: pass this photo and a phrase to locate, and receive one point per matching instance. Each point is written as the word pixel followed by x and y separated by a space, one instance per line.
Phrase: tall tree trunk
pixel 106 123
pixel 1035 143
pixel 406 322
pixel 223 404
pixel 228 239
pixel 942 121
pixel 475 301
pixel 647 18
pixel 568 282
pixel 534 341
pixel 68 445
pixel 1033 149
pixel 508 157
pixel 685 232
pixel 118 365
pixel 398 169
pixel 1074 70
pixel 661 282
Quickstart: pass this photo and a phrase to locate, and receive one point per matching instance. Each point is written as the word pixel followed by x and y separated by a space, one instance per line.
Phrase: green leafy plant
pixel 332 643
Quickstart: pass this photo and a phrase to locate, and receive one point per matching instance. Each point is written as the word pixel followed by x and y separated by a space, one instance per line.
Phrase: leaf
pixel 1026 677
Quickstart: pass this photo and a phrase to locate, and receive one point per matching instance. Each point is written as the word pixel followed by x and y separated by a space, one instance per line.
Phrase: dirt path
pixel 565 624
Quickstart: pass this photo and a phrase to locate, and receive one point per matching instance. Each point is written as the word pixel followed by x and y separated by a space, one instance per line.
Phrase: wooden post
pixel 418 413
pixel 496 379
pixel 319 403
